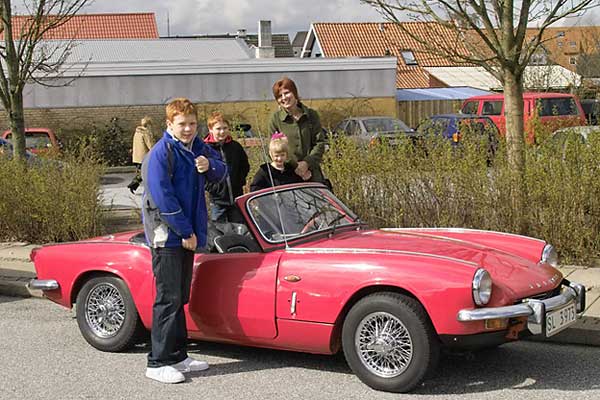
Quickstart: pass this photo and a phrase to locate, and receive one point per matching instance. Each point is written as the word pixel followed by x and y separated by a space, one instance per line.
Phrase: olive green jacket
pixel 306 139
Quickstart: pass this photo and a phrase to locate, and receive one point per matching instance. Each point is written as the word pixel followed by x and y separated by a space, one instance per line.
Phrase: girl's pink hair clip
pixel 278 135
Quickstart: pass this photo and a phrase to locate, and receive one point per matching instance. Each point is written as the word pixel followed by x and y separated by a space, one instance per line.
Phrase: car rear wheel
pixel 106 314
pixel 389 342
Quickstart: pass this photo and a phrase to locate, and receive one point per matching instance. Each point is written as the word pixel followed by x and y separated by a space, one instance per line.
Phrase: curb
pixel 586 331
pixel 120 169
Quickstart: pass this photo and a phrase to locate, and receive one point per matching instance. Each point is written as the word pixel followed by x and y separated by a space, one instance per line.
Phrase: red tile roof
pixel 374 39
pixel 98 26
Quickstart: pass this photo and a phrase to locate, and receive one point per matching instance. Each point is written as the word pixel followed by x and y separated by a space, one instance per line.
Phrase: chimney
pixel 241 33
pixel 265 41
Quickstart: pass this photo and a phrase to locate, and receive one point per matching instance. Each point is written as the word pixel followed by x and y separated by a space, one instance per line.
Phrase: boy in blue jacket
pixel 175 223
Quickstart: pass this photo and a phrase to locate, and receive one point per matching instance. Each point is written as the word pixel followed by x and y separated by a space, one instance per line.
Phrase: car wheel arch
pixel 86 276
pixel 363 292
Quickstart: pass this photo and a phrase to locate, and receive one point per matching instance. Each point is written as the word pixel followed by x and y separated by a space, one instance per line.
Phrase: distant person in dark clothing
pixel 281 172
pixel 223 194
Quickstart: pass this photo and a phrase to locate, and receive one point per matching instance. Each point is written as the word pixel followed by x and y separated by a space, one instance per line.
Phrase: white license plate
pixel 560 319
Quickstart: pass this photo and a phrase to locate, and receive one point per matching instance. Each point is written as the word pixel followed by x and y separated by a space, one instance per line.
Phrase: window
pixel 385 125
pixel 470 107
pixel 353 128
pixel 573 60
pixel 572 44
pixel 560 44
pixel 560 34
pixel 556 106
pixel 34 140
pixel 492 108
pixel 539 59
pixel 409 57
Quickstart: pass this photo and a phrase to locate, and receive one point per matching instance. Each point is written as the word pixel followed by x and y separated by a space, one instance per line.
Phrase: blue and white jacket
pixel 173 205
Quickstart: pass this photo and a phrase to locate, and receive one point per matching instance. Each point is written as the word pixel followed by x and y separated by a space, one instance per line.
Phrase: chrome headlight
pixel 482 287
pixel 550 256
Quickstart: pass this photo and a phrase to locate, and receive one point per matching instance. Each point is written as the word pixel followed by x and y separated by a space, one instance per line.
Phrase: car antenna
pixel 275 193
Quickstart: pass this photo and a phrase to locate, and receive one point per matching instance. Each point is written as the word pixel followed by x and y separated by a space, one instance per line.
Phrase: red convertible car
pixel 305 274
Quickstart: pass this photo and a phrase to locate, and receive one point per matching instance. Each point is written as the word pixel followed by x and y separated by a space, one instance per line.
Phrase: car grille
pixel 542 296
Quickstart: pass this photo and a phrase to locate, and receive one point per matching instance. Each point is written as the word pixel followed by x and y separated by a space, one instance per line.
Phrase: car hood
pixel 514 273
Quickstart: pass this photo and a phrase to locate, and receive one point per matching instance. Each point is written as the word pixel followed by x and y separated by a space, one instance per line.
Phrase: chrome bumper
pixel 534 309
pixel 43 284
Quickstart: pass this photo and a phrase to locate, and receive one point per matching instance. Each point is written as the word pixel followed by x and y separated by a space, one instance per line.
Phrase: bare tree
pixel 495 35
pixel 26 56
pixel 588 62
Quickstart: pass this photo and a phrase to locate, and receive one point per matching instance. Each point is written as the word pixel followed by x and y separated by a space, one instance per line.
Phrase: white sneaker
pixel 166 374
pixel 190 365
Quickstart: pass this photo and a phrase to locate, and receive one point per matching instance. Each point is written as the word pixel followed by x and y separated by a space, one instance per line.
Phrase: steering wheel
pixel 314 222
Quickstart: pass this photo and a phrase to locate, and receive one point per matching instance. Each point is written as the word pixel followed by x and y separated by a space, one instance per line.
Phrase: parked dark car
pixel 591 108
pixel 456 127
pixel 368 130
pixel 32 159
pixel 6 150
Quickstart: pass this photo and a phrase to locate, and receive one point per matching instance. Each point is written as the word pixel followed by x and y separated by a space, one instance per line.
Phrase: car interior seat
pixel 234 243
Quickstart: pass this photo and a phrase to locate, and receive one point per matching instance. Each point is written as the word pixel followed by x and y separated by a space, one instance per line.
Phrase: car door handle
pixel 292 278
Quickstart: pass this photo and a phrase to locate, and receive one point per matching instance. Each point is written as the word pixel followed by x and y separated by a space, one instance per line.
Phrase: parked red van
pixel 37 140
pixel 554 110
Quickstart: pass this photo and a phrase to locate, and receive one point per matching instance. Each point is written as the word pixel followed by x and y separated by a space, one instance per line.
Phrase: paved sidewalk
pixel 16 270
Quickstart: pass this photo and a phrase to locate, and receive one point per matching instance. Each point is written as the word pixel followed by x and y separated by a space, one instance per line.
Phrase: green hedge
pixel 444 186
pixel 431 184
pixel 51 202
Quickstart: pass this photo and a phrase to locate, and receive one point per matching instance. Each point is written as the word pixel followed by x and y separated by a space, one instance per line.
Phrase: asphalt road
pixel 43 356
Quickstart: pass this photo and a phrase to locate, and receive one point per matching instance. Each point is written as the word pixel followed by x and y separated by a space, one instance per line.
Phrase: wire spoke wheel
pixel 389 342
pixel 383 344
pixel 107 315
pixel 105 310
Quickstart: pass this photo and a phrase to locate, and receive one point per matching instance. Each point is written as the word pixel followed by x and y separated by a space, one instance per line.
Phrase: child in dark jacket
pixel 223 194
pixel 281 172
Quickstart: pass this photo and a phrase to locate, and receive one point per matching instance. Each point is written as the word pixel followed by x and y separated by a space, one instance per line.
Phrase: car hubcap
pixel 383 344
pixel 105 310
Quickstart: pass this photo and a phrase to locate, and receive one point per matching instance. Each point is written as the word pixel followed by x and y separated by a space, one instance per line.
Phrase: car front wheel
pixel 389 342
pixel 106 314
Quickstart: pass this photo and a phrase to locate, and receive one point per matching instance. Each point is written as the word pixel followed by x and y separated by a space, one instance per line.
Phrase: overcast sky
pixel 192 17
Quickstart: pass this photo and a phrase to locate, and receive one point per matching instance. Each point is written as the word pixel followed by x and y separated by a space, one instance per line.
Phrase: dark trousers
pixel 220 213
pixel 137 178
pixel 172 267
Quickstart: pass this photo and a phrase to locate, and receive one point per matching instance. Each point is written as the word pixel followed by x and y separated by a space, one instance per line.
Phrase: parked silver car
pixel 581 132
pixel 372 129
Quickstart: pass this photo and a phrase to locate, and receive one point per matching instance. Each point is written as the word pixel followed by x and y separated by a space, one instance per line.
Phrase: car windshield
pixel 6 150
pixel 385 125
pixel 35 140
pixel 291 213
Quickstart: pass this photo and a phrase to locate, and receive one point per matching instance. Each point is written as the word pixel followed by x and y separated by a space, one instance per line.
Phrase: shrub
pixel 52 203
pixel 110 142
pixel 440 185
